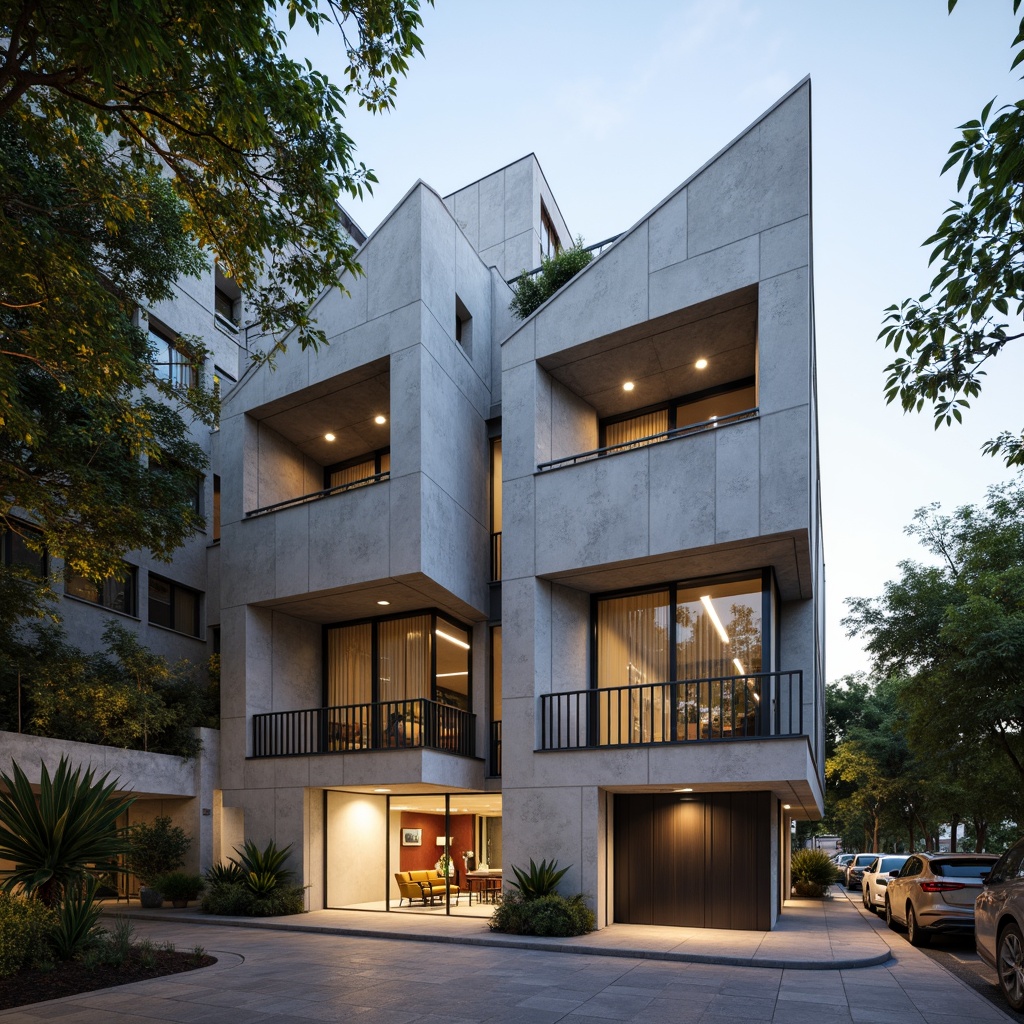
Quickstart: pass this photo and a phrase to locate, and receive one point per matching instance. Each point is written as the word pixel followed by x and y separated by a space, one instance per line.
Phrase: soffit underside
pixel 659 355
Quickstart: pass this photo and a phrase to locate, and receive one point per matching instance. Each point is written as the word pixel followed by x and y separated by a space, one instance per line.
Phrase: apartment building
pixel 550 588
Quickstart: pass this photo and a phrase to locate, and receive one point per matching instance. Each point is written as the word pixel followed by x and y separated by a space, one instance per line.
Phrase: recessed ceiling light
pixel 380 419
pixel 383 602
pixel 628 386
pixel 688 789
pixel 787 807
pixel 382 791
pixel 701 364
pixel 328 437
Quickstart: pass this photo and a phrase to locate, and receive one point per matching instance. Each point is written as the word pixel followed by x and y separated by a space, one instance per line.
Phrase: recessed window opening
pixel 463 325
pixel 15 551
pixel 171 361
pixel 173 606
pixel 182 477
pixel 227 299
pixel 216 507
pixel 549 243
pixel 360 471
pixel 644 426
pixel 118 593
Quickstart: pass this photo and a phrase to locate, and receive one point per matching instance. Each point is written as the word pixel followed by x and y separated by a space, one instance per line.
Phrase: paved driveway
pixel 271 977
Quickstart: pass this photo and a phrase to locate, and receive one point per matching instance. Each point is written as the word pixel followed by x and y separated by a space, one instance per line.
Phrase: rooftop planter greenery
pixel 533 290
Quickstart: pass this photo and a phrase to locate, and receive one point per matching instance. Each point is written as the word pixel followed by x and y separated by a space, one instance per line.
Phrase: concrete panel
pixel 520 409
pixel 784 340
pixel 520 253
pixel 682 498
pixel 492 211
pixel 466 210
pixel 517 535
pixel 406 410
pixel 494 256
pixel 761 180
pixel 364 343
pixel 281 469
pixel 785 247
pixel 348 537
pixel 525 654
pixel 705 276
pixel 574 424
pixel 609 295
pixel 437 260
pixel 570 639
pixel 546 822
pixel 405 537
pixel 667 233
pixel 234 738
pixel 291 549
pixel 737 481
pixel 593 513
pixel 392 258
pixel 785 471
pixel 338 311
pixel 296 664
pixel 232 671
pixel 248 556
pixel 259 655
pixel 520 197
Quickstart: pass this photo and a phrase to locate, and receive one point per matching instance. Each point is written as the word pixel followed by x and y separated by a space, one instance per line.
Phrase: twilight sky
pixel 622 102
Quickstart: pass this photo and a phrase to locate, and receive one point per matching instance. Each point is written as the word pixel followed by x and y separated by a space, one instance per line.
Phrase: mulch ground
pixel 72 978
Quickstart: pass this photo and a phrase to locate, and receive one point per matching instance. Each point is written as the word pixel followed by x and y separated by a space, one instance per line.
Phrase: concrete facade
pixel 721 269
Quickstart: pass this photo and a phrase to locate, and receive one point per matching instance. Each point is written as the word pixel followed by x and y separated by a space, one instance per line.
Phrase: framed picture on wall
pixel 412 837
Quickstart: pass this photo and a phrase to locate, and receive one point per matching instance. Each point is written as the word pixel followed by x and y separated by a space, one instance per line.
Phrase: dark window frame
pixel 376 455
pixel 101 600
pixel 174 587
pixel 182 372
pixel 9 537
pixel 548 234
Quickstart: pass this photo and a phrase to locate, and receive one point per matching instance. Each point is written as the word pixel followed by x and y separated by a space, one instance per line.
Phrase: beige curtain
pixel 403 647
pixel 636 429
pixel 349 676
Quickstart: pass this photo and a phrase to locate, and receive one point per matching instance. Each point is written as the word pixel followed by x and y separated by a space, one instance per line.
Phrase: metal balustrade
pixel 641 442
pixel 326 492
pixel 386 725
pixel 730 708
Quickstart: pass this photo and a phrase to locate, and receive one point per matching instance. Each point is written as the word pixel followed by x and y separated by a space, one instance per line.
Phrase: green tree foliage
pixel 55 841
pixel 955 630
pixel 973 307
pixel 135 137
pixel 532 291
pixel 125 696
pixel 156 848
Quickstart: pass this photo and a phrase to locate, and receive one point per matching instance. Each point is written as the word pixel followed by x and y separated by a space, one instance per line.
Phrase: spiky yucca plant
pixel 540 880
pixel 263 870
pixel 55 840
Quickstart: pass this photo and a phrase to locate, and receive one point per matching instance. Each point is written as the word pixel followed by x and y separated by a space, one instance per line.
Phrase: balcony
pixel 325 492
pixel 729 708
pixel 385 725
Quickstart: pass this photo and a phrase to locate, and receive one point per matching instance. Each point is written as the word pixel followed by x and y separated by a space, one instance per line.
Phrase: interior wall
pixel 422 858
pixel 356 836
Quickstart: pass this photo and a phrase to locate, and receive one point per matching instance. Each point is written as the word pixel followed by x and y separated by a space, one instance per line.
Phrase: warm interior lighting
pixel 328 437
pixel 628 386
pixel 382 791
pixel 453 639
pixel 380 420
pixel 701 364
pixel 787 807
pixel 449 675
pixel 739 666
pixel 384 603
pixel 687 789
pixel 706 601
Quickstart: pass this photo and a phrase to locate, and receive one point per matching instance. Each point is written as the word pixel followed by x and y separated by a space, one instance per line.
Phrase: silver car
pixel 856 868
pixel 934 893
pixel 876 879
pixel 999 923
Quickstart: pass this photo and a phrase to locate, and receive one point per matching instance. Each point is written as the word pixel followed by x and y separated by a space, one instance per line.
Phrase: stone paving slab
pixel 811 935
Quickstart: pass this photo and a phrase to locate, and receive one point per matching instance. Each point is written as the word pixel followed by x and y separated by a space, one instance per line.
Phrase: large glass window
pixel 171 362
pixel 115 593
pixel 696 650
pixel 360 471
pixel 173 606
pixel 15 552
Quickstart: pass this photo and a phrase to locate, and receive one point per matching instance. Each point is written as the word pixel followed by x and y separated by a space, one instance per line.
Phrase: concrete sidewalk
pixel 350 972
pixel 810 935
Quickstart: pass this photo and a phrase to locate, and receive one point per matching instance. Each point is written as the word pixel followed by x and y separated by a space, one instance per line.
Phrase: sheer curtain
pixel 349 671
pixel 636 428
pixel 403 647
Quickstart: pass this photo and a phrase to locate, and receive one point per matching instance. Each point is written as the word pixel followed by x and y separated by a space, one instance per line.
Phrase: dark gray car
pixel 999 923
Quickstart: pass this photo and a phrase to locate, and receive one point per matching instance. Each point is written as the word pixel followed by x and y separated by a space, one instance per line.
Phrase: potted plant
pixel 154 849
pixel 179 887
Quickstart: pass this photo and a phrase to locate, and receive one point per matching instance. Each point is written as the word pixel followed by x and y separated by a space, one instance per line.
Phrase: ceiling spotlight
pixel 628 386
pixel 382 791
pixel 380 420
pixel 328 437
pixel 384 603
pixel 787 807
pixel 687 789
pixel 701 364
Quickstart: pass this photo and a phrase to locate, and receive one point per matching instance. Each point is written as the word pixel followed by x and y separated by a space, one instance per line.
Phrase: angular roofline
pixel 806 80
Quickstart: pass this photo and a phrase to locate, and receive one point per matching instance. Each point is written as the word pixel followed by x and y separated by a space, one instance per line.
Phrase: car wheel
pixel 866 898
pixel 915 933
pixel 889 919
pixel 1010 966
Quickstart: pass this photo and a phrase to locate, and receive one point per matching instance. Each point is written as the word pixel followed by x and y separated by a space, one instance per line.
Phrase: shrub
pixel 551 915
pixel 264 870
pixel 113 946
pixel 77 925
pixel 237 900
pixel 156 849
pixel 812 871
pixel 541 880
pixel 179 885
pixel 224 874
pixel 24 926
pixel 533 291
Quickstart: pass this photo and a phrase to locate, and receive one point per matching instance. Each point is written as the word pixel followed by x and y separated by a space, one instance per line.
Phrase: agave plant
pixel 263 870
pixel 54 840
pixel 540 880
pixel 225 874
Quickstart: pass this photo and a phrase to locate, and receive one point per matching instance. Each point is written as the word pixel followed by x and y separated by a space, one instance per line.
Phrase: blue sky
pixel 622 102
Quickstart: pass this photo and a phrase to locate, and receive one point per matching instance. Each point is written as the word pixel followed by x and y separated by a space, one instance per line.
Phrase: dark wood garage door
pixel 695 861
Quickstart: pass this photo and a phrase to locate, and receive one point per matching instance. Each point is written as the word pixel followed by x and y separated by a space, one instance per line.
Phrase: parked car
pixel 876 879
pixel 855 868
pixel 934 893
pixel 999 923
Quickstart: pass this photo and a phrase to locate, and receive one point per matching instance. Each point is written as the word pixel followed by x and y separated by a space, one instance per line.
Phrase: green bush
pixel 156 848
pixel 179 885
pixel 237 900
pixel 224 874
pixel 812 871
pixel 78 922
pixel 264 870
pixel 24 926
pixel 533 291
pixel 551 915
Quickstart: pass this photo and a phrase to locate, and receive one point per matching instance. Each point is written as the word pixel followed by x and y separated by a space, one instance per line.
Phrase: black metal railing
pixel 494 762
pixel 641 442
pixel 495 557
pixel 317 495
pixel 597 249
pixel 387 725
pixel 692 710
